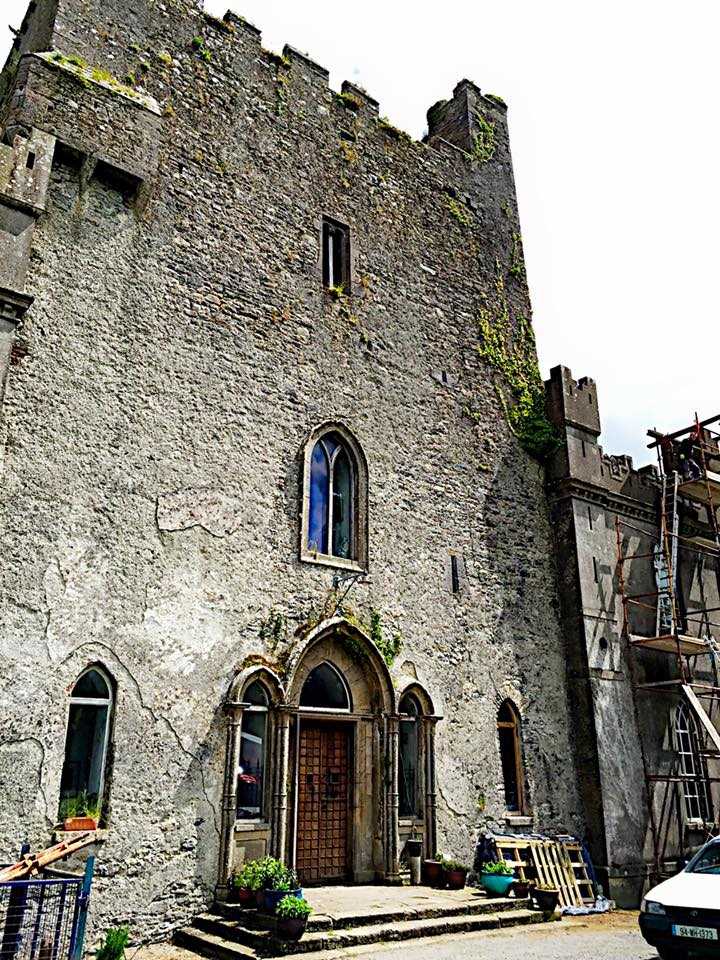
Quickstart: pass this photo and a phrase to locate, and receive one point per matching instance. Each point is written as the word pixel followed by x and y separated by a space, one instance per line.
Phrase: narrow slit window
pixel 455 574
pixel 30 162
pixel 590 520
pixel 336 255
pixel 595 570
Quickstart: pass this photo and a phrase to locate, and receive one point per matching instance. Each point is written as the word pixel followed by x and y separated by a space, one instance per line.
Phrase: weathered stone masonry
pixel 178 353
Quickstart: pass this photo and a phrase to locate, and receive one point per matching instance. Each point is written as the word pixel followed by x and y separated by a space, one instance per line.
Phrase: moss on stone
pixel 510 350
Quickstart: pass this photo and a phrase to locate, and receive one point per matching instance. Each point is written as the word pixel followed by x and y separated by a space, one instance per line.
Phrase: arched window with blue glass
pixel 335 501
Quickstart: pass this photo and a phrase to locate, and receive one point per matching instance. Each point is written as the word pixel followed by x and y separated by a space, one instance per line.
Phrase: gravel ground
pixel 610 937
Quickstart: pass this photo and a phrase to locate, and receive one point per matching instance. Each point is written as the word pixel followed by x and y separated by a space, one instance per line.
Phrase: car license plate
pixel 695 933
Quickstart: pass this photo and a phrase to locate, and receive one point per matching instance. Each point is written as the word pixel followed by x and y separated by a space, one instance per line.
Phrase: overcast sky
pixel 614 131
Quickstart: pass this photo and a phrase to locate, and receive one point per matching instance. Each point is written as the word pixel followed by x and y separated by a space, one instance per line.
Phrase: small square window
pixel 335 255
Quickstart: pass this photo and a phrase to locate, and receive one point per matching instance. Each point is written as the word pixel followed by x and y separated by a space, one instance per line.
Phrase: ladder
pixel 665 557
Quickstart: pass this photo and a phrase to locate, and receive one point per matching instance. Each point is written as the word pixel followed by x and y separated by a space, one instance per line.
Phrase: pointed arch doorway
pixel 341 696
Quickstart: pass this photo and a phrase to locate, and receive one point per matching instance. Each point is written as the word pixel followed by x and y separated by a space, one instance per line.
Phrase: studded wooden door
pixel 323 802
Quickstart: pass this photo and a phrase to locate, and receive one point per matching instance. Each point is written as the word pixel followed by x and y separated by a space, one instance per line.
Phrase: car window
pixel 707 861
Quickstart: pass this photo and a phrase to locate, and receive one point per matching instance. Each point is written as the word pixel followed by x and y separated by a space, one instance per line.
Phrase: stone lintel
pixel 14 305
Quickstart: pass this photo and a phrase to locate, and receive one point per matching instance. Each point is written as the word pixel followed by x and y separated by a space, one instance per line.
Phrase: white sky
pixel 613 114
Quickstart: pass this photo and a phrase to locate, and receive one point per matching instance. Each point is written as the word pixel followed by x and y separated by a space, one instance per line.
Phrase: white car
pixel 681 917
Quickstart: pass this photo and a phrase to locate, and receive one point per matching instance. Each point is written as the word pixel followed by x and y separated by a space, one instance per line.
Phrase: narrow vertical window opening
pixel 409 749
pixel 590 519
pixel 332 519
pixel 251 770
pixel 508 723
pixel 335 255
pixel 454 574
pixel 82 781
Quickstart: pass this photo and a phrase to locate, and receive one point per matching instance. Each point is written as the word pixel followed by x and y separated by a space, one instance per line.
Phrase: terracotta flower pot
pixel 433 873
pixel 291 928
pixel 456 879
pixel 80 823
pixel 245 897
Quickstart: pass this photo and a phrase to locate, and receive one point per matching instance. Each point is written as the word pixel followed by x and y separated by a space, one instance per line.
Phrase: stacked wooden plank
pixel 33 863
pixel 552 863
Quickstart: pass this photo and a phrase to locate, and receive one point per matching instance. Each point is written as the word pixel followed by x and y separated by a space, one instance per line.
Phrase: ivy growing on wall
pixel 510 350
pixel 484 143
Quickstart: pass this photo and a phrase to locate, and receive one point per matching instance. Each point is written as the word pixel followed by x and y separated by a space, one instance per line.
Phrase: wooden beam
pixel 704 719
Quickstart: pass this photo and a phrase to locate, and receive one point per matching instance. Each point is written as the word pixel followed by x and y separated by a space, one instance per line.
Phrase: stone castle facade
pixel 278 576
pixel 164 397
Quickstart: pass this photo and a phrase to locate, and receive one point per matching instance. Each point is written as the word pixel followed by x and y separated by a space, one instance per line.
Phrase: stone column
pixel 430 793
pixel 229 801
pixel 280 797
pixel 393 807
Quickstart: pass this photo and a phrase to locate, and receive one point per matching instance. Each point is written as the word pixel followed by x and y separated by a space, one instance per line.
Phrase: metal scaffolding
pixel 659 619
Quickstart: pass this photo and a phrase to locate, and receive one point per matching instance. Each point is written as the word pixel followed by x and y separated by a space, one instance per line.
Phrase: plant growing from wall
pixel 511 353
pixel 200 47
pixel 484 142
pixel 390 646
pixel 458 210
pixel 517 261
pixel 113 946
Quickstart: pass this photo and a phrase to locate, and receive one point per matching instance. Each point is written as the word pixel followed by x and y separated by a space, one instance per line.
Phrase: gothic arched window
pixel 253 748
pixel 86 745
pixel 334 523
pixel 693 768
pixel 325 689
pixel 509 735
pixel 409 748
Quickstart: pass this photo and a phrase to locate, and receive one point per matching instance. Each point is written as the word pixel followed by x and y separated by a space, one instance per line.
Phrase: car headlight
pixel 652 906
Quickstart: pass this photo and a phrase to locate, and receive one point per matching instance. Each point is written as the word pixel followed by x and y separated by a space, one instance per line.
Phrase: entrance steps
pixel 228 932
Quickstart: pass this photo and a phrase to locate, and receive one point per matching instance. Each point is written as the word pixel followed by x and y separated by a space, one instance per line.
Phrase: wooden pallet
pixel 579 867
pixel 547 862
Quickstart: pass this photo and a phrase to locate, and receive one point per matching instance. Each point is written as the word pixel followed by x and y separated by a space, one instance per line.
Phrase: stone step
pixel 218 947
pixel 352 918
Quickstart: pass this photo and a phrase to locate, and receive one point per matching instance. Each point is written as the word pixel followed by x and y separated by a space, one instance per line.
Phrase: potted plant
pixel 79 812
pixel 546 897
pixel 242 884
pixel 432 871
pixel 521 889
pixel 455 874
pixel 497 877
pixel 277 882
pixel 292 915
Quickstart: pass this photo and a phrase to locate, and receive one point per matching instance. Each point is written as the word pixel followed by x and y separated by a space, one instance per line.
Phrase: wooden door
pixel 323 802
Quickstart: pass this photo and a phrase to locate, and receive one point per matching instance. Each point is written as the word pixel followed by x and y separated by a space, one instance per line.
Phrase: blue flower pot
pixel 273 897
pixel 496 883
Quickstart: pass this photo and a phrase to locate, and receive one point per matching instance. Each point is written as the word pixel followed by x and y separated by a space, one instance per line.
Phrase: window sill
pixel 518 820
pixel 695 824
pixel 250 826
pixel 99 835
pixel 323 560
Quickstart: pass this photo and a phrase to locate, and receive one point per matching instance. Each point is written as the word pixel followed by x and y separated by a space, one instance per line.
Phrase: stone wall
pixel 179 352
